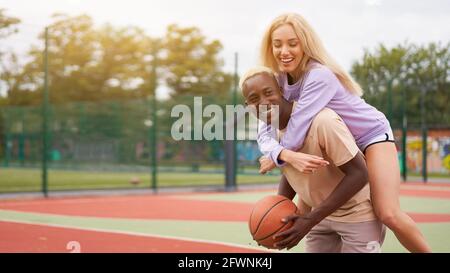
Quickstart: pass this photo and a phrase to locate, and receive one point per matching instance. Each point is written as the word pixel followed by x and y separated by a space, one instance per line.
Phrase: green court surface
pixel 231 232
pixel 19 179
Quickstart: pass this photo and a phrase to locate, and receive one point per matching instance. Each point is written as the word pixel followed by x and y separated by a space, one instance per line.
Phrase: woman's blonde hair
pixel 311 46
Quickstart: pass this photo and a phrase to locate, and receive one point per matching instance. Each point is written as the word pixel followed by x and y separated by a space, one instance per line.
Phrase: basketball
pixel 265 219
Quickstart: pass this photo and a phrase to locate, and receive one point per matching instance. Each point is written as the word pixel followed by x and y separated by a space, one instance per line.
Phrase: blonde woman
pixel 308 75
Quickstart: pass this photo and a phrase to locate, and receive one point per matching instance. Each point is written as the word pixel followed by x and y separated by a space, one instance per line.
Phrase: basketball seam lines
pixel 265 214
pixel 273 232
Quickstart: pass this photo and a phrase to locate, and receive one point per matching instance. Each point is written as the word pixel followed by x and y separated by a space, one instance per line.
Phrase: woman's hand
pixel 304 163
pixel 266 164
pixel 292 236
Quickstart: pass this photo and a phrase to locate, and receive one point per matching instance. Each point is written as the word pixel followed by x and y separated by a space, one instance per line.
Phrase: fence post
pixel 153 128
pixel 7 146
pixel 45 120
pixel 424 154
pixel 22 139
pixel 153 144
pixel 235 89
pixel 423 117
pixel 404 136
pixel 230 145
pixel 389 100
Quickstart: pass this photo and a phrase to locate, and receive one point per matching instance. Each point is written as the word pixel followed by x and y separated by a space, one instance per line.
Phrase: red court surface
pixel 425 193
pixel 138 207
pixel 158 208
pixel 17 237
pixel 21 237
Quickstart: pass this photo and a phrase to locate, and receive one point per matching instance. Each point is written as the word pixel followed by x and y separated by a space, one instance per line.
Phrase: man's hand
pixel 292 236
pixel 266 164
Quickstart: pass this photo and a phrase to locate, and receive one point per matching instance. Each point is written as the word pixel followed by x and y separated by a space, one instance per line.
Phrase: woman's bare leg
pixel 384 178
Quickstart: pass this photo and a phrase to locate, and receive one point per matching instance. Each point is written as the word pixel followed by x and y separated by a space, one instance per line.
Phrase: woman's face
pixel 286 48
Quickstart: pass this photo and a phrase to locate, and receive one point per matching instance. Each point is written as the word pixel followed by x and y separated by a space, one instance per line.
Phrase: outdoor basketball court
pixel 179 222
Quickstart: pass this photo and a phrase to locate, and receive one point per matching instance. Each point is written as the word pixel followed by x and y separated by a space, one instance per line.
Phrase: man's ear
pixel 245 103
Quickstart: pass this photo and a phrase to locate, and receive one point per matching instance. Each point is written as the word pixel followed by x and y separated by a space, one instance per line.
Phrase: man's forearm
pixel 285 189
pixel 347 188
pixel 354 180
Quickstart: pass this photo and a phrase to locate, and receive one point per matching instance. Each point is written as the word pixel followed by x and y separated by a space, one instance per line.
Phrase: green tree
pixel 8 60
pixel 126 62
pixel 429 74
pixel 8 24
pixel 69 53
pixel 407 70
pixel 192 64
pixel 91 64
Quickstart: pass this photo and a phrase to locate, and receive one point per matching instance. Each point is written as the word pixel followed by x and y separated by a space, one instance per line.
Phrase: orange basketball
pixel 265 219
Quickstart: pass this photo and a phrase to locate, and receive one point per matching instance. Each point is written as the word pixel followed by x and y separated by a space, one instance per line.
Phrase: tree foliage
pixel 192 63
pixel 8 24
pixel 9 64
pixel 89 63
pixel 410 72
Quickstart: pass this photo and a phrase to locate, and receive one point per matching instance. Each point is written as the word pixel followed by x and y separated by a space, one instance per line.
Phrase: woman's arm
pixel 267 138
pixel 320 87
pixel 303 162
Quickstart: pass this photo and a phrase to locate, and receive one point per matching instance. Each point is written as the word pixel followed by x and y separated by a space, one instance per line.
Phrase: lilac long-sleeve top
pixel 320 88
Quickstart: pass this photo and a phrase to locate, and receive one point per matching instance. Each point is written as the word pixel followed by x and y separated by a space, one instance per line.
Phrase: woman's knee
pixel 390 216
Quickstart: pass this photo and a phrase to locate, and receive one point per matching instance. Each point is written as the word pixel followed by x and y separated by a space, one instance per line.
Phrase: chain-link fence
pixel 105 145
pixel 125 144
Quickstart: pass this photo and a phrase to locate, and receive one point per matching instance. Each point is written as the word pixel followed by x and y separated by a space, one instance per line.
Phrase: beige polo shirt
pixel 330 138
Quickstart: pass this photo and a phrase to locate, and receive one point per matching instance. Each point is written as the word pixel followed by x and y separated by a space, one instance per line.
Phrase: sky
pixel 346 27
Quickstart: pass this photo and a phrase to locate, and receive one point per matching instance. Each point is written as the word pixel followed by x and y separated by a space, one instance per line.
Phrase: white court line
pixel 141 234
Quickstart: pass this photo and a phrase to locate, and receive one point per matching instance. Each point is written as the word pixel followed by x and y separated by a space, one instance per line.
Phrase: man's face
pixel 263 94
